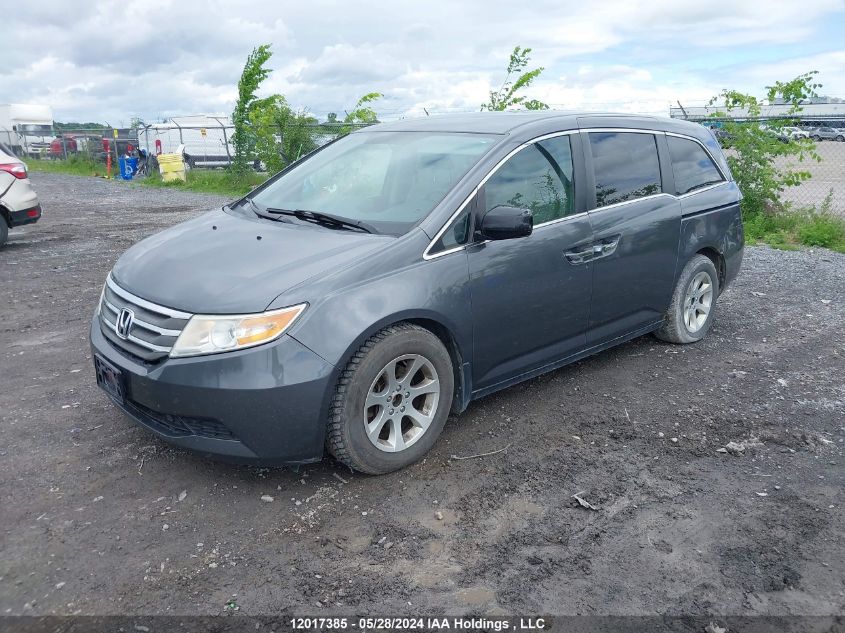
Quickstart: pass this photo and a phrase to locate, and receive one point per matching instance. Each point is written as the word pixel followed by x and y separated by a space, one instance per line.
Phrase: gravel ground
pixel 99 517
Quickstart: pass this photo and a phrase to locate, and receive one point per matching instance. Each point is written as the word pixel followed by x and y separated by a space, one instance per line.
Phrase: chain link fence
pixel 826 185
pixel 203 145
pixel 206 143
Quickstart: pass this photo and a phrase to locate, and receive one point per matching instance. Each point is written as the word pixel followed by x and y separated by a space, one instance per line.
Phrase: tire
pixel 698 285
pixel 4 230
pixel 840 138
pixel 397 349
pixel 817 139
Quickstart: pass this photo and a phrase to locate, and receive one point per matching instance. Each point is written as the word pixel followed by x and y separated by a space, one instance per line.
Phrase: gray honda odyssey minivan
pixel 368 290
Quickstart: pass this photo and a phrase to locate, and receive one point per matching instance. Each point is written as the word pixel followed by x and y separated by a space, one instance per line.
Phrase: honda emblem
pixel 124 323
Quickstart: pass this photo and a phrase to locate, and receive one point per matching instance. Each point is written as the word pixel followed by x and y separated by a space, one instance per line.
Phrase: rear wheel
pixel 4 230
pixel 391 401
pixel 690 313
pixel 840 138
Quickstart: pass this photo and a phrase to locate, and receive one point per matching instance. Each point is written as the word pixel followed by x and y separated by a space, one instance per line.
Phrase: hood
pixel 224 264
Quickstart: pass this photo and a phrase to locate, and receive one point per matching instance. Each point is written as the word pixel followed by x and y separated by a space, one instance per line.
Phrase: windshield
pixel 35 130
pixel 388 180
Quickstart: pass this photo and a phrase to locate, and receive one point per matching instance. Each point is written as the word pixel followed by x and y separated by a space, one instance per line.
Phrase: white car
pixel 18 200
pixel 795 132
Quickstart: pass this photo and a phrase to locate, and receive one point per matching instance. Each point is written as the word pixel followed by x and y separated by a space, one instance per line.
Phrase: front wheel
pixel 391 401
pixel 690 313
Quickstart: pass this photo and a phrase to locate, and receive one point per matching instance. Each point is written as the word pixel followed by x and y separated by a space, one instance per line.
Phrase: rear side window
pixel 692 166
pixel 626 166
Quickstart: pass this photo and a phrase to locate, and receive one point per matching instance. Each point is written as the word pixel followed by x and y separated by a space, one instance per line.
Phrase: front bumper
pixel 263 405
pixel 25 216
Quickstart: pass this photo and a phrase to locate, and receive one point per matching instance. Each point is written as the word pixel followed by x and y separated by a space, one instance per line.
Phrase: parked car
pixel 18 200
pixel 827 134
pixel 361 295
pixel 63 146
pixel 792 132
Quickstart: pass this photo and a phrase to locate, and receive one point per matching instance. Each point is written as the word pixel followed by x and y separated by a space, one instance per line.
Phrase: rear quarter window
pixel 692 166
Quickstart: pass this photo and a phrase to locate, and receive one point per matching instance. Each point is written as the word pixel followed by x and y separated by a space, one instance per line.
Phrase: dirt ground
pixel 99 517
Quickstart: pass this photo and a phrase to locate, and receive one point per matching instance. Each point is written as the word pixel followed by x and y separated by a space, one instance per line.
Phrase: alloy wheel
pixel 401 403
pixel 698 301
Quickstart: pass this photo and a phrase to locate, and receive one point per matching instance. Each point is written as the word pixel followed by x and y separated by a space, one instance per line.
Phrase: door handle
pixel 602 248
pixel 581 255
pixel 606 246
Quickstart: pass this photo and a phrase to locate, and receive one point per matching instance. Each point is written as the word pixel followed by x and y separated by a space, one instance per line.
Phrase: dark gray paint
pixel 508 310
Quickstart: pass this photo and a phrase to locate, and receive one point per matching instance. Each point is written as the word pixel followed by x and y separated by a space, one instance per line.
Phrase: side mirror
pixel 505 223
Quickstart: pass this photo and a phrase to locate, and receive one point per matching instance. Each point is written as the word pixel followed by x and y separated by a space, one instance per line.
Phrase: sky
pixel 109 61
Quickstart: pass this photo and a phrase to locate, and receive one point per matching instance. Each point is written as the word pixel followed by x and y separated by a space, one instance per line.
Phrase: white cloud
pixel 109 60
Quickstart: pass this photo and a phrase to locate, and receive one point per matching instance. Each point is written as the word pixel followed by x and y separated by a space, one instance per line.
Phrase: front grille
pixel 180 425
pixel 153 329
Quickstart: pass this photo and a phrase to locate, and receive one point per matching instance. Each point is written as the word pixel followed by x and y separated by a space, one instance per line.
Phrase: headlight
pixel 207 334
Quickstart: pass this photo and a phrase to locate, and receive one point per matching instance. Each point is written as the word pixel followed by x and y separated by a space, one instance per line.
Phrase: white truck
pixel 204 140
pixel 26 128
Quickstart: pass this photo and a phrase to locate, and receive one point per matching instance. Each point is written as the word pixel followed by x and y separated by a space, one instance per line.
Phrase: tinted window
pixel 625 165
pixel 537 178
pixel 691 165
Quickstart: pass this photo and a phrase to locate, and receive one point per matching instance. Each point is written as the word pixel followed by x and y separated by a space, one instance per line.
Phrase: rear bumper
pixel 264 405
pixel 25 216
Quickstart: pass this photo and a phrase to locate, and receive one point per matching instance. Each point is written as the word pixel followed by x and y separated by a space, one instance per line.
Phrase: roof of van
pixel 512 121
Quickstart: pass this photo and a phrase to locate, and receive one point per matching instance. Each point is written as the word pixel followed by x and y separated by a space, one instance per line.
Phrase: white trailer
pixel 27 128
pixel 205 140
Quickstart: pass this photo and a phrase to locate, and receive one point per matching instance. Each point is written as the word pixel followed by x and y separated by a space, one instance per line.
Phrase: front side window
pixel 456 235
pixel 388 180
pixel 692 166
pixel 626 166
pixel 538 178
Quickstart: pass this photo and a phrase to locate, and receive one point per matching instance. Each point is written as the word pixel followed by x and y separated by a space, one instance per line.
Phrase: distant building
pixel 812 114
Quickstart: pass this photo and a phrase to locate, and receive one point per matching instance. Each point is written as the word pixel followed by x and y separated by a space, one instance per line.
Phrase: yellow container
pixel 171 167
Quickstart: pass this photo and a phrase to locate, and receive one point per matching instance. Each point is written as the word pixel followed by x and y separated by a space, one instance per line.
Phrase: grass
pixel 76 165
pixel 217 181
pixel 789 229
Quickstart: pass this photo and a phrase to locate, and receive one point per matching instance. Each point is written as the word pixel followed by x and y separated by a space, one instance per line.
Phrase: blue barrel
pixel 128 167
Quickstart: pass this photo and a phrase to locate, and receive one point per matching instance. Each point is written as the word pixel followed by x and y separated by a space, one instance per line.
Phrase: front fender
pixel 437 290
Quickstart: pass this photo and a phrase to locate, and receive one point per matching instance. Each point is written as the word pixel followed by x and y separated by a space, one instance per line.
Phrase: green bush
pixel 756 143
pixel 789 228
pixel 823 229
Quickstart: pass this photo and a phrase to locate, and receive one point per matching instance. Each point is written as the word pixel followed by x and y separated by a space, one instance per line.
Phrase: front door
pixel 531 295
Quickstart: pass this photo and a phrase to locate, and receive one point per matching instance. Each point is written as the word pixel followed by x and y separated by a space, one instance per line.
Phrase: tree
pixel 282 135
pixel 506 96
pixel 755 144
pixel 362 113
pixel 254 73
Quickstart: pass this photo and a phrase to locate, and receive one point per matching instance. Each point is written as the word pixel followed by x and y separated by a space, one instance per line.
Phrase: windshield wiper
pixel 259 211
pixel 326 219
